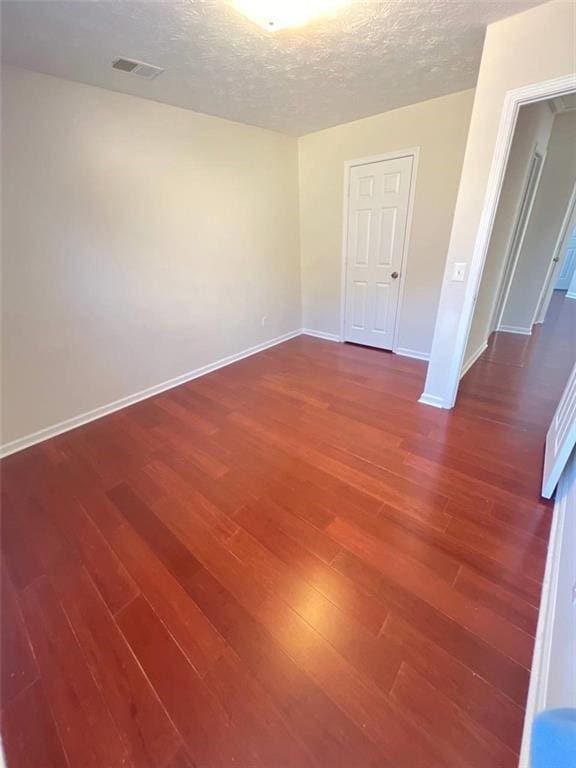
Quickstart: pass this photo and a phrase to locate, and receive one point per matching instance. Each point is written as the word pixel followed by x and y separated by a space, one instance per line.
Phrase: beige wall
pixel 552 198
pixel 530 47
pixel 140 242
pixel 532 133
pixel 439 128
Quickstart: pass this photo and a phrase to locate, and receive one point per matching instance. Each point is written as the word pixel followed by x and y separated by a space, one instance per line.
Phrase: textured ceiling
pixel 371 57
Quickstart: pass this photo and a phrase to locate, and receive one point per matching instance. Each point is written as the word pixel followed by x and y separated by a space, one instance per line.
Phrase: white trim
pixel 414 153
pixel 540 670
pixel 519 230
pixel 84 418
pixel 416 354
pixel 472 359
pixel 321 335
pixel 513 100
pixel 548 285
pixel 435 402
pixel 514 329
pixel 570 295
pixel 561 438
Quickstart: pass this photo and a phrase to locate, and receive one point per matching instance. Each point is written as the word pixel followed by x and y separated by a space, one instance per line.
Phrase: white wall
pixel 532 133
pixel 544 227
pixel 527 48
pixel 140 242
pixel 439 128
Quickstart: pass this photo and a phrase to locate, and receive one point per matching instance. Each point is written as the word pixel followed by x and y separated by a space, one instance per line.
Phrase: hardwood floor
pixel 289 563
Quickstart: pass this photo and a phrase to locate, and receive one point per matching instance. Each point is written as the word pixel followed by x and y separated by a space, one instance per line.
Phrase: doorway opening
pixel 562 268
pixel 519 230
pixel 523 327
pixel 530 248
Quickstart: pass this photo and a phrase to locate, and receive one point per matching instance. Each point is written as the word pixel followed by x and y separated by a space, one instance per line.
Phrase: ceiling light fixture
pixel 273 15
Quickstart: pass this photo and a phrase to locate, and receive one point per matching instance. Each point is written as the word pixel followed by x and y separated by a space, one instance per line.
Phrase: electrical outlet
pixel 264 320
pixel 459 272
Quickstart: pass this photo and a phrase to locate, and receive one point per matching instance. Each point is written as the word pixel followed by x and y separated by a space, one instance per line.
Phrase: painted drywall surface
pixel 439 128
pixel 552 198
pixel 140 241
pixel 527 48
pixel 532 132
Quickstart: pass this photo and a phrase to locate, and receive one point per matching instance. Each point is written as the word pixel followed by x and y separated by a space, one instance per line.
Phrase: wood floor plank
pixel 205 511
pixel 267 738
pixel 170 550
pixel 74 698
pixel 338 627
pixel 483 702
pixel 194 709
pixel 404 537
pixel 145 726
pixel 364 705
pixel 462 741
pixel 321 578
pixel 211 552
pixel 484 659
pixel 458 548
pixel 29 734
pixel 422 583
pixel 107 571
pixel 18 544
pixel 189 626
pixel 181 759
pixel 300 531
pixel 497 598
pixel 321 724
pixel 526 552
pixel 19 667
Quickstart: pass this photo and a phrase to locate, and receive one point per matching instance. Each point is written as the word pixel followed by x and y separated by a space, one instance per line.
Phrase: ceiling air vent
pixel 138 68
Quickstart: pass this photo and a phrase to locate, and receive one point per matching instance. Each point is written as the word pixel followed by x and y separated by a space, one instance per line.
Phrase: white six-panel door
pixel 378 201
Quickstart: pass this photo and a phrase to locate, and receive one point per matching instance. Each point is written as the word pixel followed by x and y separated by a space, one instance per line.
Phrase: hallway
pixel 287 563
pixel 519 379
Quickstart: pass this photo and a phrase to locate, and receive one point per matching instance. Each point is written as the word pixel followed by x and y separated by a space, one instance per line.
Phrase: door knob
pixel 394 275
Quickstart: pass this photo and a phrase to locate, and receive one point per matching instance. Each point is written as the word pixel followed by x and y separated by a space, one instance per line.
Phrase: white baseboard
pixel 556 616
pixel 321 335
pixel 403 351
pixel 84 418
pixel 514 329
pixel 472 359
pixel 570 295
pixel 433 400
pixel 417 355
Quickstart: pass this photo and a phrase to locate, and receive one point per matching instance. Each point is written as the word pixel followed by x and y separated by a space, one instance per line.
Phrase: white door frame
pixel 348 165
pixel 519 234
pixel 551 273
pixel 513 100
